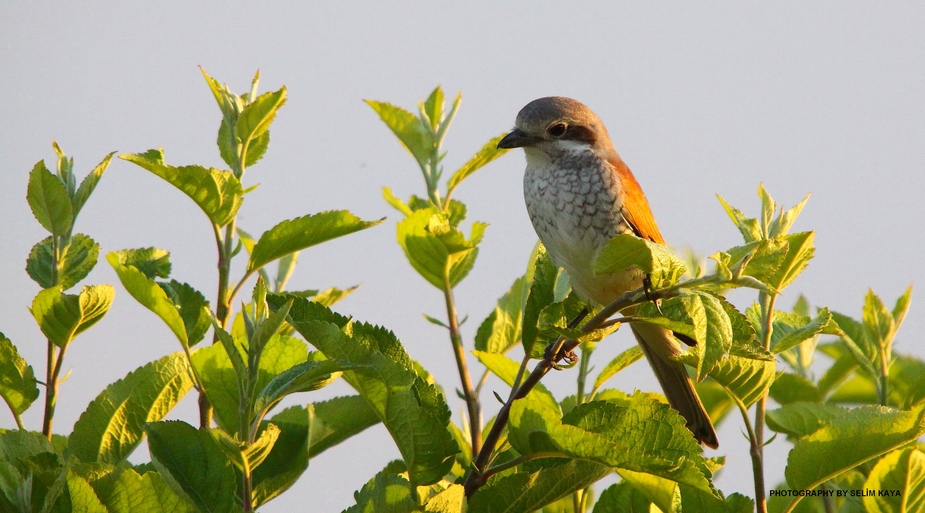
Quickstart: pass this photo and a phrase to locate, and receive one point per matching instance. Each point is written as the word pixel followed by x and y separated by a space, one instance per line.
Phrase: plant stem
pixel 884 377
pixel 472 399
pixel 478 476
pixel 756 436
pixel 51 391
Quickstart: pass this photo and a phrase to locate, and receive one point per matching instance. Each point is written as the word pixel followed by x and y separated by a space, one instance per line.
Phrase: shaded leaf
pixel 152 262
pixel 626 250
pixel 147 292
pixel 193 465
pixel 18 386
pixel 88 184
pixel 77 260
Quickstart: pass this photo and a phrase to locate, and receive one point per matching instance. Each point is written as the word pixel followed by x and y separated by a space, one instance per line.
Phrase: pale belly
pixel 575 212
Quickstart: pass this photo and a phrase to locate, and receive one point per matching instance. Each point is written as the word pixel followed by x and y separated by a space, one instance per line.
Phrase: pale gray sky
pixel 700 100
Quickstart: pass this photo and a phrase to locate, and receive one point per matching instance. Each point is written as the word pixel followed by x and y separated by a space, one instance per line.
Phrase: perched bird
pixel 579 195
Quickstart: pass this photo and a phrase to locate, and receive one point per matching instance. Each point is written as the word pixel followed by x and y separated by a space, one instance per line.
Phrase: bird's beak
pixel 517 139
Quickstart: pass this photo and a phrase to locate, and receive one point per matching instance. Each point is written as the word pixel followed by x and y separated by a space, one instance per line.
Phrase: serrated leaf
pixel 485 155
pixel 147 292
pixel 535 486
pixel 502 328
pixel 801 419
pixel 622 498
pixel 49 200
pixel 303 232
pixel 88 184
pixel 82 497
pixel 152 262
pixel 438 251
pixel 395 202
pixel 193 465
pixel 878 323
pixel 76 261
pixel 247 456
pixel 745 378
pixel 388 493
pixel 218 193
pixel 790 330
pixel 62 317
pixel 646 436
pixel 749 228
pixel 664 493
pixel 861 434
pixel 127 491
pixel 799 252
pixel 903 473
pixel 113 424
pixel 619 362
pixel 414 411
pixel 254 121
pixel 764 257
pixel 193 308
pixel 543 273
pixel 785 219
pixel 17 379
pixel 433 107
pixel 506 369
pixel 411 132
pixel 216 370
pixel 624 251
pixel 335 420
pixel 789 388
pixel 304 377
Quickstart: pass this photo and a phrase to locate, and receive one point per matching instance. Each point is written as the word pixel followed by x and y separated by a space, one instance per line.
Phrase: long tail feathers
pixel 657 343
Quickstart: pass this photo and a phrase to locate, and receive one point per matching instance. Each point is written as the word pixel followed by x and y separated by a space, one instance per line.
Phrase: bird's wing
pixel 636 209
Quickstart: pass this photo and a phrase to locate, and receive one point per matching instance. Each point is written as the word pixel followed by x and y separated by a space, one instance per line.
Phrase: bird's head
pixel 554 126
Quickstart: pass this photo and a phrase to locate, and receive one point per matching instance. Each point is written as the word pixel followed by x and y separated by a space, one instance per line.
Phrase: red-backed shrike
pixel 579 195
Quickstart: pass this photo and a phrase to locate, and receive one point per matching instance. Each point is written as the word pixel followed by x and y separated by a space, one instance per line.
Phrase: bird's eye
pixel 557 130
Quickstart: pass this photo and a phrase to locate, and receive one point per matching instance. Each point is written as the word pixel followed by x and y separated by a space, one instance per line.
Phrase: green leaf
pixel 49 200
pixel 646 436
pixel 303 232
pixel 414 411
pixel 303 377
pixel 247 456
pixel 861 434
pixel 82 496
pixel 193 308
pixel 620 362
pixel 450 500
pixel 147 292
pixel 395 202
pixel 745 378
pixel 254 121
pixel 433 107
pixel 218 193
pixel 288 458
pixel 215 369
pixel 789 388
pixel 88 184
pixel 438 251
pixel 902 307
pixel 385 493
pixel 901 472
pixel 152 262
pixel 127 491
pixel 626 250
pixel 485 155
pixel 77 260
pixel 801 419
pixel 62 317
pixel 17 379
pixel 764 258
pixel 878 323
pixel 335 420
pixel 414 136
pixel 799 253
pixel 535 485
pixel 749 228
pixel 622 498
pixel 790 331
pixel 193 465
pixel 113 424
pixel 500 331
pixel 543 274
pixel 663 493
pixel 506 369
